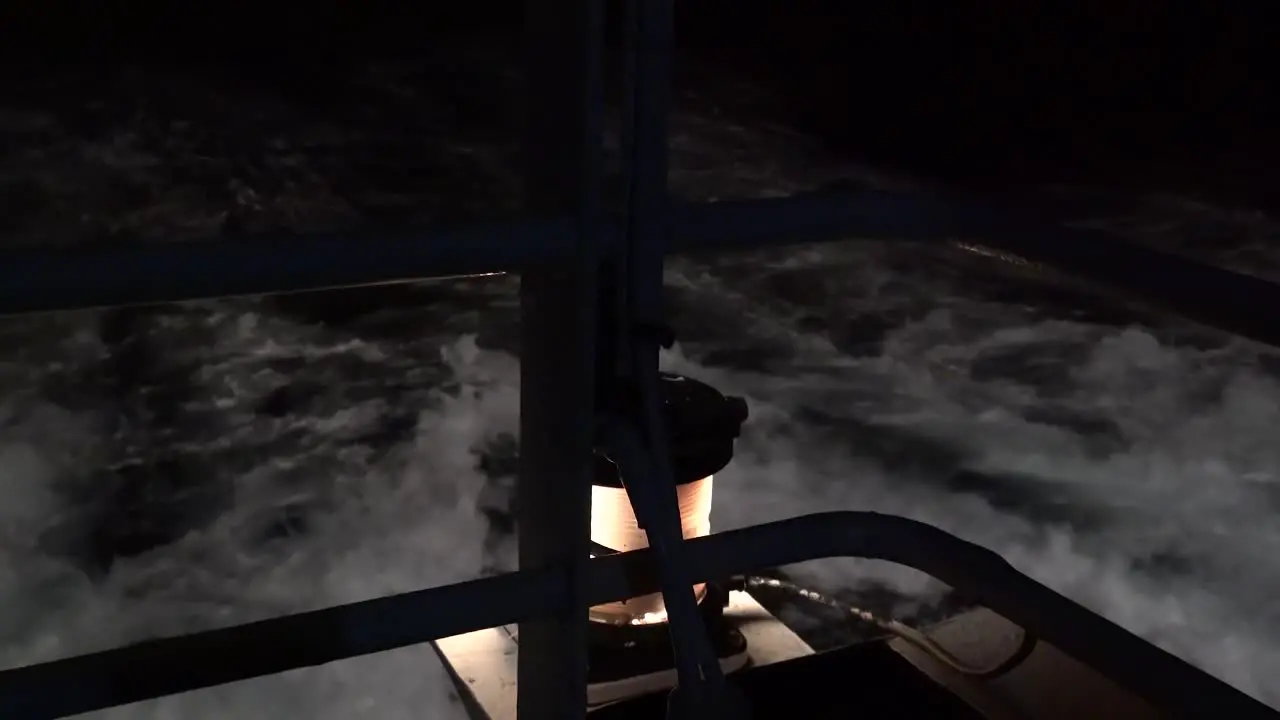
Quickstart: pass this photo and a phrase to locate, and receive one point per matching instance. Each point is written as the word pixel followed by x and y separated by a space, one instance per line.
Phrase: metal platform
pixel 869 681
pixel 894 679
pixel 1048 685
pixel 484 662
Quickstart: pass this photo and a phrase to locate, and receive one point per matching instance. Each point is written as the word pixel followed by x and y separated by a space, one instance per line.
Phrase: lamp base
pixel 625 661
pixel 483 663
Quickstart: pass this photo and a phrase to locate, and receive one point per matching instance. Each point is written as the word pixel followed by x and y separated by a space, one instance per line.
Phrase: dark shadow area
pixel 993 94
pixel 869 676
pixel 1139 95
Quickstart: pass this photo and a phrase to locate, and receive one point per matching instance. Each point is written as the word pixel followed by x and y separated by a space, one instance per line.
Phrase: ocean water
pixel 288 463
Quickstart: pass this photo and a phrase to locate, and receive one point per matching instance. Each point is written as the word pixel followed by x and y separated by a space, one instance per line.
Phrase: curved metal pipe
pixel 165 667
pixel 1161 678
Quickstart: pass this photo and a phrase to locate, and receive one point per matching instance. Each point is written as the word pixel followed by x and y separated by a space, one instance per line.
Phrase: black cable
pixel 900 630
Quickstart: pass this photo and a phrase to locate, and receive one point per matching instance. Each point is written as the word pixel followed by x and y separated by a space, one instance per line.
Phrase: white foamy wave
pixel 1134 476
pixel 402 521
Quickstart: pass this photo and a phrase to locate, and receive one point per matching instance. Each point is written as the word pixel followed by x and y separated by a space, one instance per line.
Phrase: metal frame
pixel 558 355
pixel 164 667
pixel 631 318
pixel 33 280
pixel 559 256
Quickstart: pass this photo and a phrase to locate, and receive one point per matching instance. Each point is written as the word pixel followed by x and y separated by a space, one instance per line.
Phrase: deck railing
pixel 567 259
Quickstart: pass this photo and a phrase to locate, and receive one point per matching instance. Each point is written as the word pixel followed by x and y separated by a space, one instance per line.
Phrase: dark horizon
pixel 987 96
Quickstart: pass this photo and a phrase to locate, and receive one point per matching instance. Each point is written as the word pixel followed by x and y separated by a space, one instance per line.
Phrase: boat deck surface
pixel 869 681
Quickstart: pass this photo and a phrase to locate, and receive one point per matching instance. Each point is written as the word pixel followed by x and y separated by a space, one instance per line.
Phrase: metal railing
pixel 164 667
pixel 33 280
pixel 567 258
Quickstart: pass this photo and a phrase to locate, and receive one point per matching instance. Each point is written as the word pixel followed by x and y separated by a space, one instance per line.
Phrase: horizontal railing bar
pixel 44 280
pixel 179 664
pixel 163 667
pixel 48 280
pixel 817 216
pixel 1214 296
pixel 1207 294
pixel 39 280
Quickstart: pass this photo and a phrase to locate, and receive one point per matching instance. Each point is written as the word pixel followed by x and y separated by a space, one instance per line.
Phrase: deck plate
pixel 484 661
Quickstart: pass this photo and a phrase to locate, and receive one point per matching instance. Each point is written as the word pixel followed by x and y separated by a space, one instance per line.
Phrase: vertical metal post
pixel 558 326
pixel 649 37
pixel 649 53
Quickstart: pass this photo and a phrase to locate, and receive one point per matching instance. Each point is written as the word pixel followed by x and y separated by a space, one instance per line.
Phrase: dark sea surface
pixel 171 469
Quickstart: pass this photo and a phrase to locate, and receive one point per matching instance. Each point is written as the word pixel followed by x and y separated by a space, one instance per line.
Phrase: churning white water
pixel 1132 468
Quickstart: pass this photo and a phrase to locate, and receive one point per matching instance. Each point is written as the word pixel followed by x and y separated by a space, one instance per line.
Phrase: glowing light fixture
pixel 702 425
pixel 613 525
pixel 629 644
